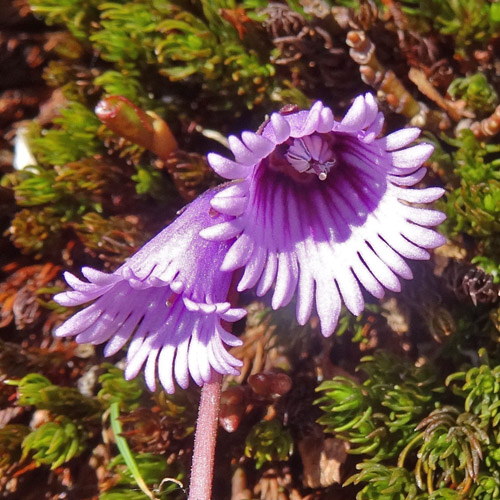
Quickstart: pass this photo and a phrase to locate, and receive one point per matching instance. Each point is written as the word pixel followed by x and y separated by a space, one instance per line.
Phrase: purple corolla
pixel 320 208
pixel 316 209
pixel 169 299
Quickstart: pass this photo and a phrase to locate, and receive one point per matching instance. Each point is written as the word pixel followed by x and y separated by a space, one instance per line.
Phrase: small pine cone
pixel 313 55
pixel 470 282
pixel 479 286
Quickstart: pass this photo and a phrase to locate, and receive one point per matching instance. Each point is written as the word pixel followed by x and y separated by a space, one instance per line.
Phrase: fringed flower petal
pixel 400 138
pixel 326 211
pixel 227 168
pixel 280 128
pixel 168 301
pixel 411 158
pixel 355 116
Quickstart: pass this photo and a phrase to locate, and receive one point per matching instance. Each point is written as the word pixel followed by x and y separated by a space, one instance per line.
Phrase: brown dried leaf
pixel 19 295
pixel 323 459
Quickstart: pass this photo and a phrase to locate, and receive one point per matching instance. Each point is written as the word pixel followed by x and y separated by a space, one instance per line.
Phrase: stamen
pixel 311 155
pixel 322 174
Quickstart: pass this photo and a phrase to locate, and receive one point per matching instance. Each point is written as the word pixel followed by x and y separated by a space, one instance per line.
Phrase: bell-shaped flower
pixel 323 208
pixel 169 299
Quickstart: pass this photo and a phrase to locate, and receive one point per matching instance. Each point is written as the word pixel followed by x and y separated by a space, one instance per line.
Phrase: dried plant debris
pixel 315 58
pixel 107 113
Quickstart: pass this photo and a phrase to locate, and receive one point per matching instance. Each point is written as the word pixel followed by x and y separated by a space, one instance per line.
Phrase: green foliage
pixel 73 138
pixel 128 32
pixel 385 483
pixel 124 449
pixel 213 50
pixel 60 74
pixel 473 207
pixel 137 472
pixel 377 417
pixel 481 390
pixel 478 198
pixel 154 470
pixel 495 12
pixel 451 450
pixel 74 187
pixel 37 231
pixel 75 14
pixel 406 400
pixel 55 443
pixel 268 441
pixel 477 93
pixel 37 390
pixel 115 389
pixel 417 446
pixel 350 415
pixel 72 195
pixel 34 187
pixel 469 21
pixel 180 409
pixel 178 44
pixel 488 486
pixel 65 185
pixel 356 325
pixel 125 83
pixel 149 180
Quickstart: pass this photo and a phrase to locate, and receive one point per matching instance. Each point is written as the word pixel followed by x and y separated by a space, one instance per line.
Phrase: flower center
pixel 311 155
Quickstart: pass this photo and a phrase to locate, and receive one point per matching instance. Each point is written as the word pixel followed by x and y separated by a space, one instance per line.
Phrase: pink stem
pixel 202 469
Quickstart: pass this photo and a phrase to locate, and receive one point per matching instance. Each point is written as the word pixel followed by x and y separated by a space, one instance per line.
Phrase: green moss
pixel 55 443
pixel 473 202
pixel 268 441
pixel 470 22
pixel 73 137
pixel 477 93
pixel 421 440
pixel 76 15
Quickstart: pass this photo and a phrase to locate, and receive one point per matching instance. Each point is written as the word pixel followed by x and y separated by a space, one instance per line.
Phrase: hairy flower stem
pixel 202 469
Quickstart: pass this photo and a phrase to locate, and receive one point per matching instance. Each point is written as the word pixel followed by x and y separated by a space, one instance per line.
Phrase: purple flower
pixel 170 298
pixel 321 208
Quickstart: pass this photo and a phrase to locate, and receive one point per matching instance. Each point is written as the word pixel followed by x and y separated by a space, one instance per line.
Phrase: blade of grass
pixel 124 450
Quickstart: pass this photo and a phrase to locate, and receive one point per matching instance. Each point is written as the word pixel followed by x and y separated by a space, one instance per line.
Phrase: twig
pixel 389 86
pixel 488 127
pixel 456 109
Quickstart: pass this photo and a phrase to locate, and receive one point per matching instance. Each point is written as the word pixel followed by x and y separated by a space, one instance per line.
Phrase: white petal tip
pixel 227 168
pixel 281 128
